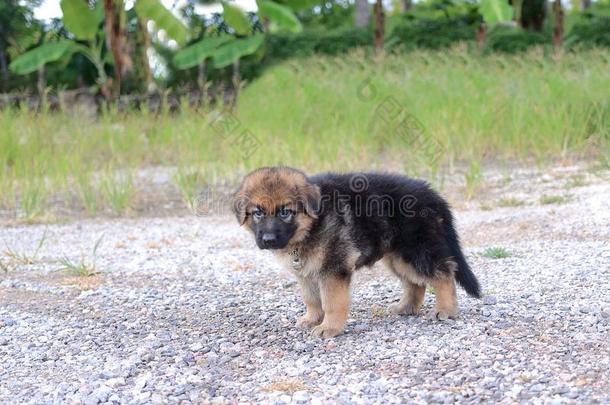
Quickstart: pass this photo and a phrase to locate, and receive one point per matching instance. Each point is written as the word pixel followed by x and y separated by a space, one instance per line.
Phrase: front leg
pixel 335 297
pixel 311 297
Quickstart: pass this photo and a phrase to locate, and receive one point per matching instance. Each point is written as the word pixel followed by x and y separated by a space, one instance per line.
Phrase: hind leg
pixel 411 300
pixel 413 292
pixel 446 298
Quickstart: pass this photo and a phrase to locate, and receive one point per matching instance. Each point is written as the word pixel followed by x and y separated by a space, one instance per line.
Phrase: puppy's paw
pixel 326 331
pixel 400 308
pixel 442 314
pixel 308 321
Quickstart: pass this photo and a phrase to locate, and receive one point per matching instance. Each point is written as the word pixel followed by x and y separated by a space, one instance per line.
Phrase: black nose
pixel 269 238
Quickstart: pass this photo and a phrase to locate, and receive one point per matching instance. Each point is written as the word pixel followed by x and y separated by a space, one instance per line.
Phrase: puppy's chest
pixel 302 265
pixel 312 264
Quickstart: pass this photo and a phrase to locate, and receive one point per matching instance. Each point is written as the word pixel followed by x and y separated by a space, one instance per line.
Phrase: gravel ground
pixel 186 309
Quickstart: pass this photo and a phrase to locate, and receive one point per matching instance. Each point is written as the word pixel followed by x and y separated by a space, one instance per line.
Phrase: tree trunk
pixel 116 40
pixel 481 35
pixel 236 82
pixel 113 32
pixel 41 83
pixel 362 13
pixel 201 76
pixel 201 83
pixel 558 28
pixel 585 4
pixel 379 26
pixel 145 44
pixel 41 88
pixel 407 5
pixel 4 70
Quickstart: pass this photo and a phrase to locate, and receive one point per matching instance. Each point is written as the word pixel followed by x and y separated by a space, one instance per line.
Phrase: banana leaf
pixel 163 18
pixel 34 59
pixel 232 51
pixel 79 19
pixel 196 53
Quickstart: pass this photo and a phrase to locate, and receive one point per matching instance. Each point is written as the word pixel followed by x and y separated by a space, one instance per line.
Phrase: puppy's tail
pixel 464 276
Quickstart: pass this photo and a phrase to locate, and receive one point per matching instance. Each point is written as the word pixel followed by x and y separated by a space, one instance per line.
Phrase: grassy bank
pixel 417 112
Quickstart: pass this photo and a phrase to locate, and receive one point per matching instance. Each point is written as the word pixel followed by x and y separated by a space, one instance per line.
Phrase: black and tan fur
pixel 325 227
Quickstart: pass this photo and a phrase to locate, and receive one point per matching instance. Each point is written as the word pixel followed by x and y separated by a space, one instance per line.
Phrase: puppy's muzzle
pixel 269 240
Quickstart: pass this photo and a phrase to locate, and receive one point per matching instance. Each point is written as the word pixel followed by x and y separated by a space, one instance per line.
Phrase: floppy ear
pixel 238 206
pixel 311 199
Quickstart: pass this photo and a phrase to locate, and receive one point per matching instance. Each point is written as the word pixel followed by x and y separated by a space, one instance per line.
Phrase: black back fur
pixel 388 213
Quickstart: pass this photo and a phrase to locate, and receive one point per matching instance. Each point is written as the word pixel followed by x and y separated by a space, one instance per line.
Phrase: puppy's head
pixel 278 204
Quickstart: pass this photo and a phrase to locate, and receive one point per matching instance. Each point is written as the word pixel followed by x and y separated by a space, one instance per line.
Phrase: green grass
pixel 576 180
pixel 17 258
pixel 33 198
pixel 510 202
pixel 554 199
pixel 421 112
pixel 473 178
pixel 83 267
pixel 118 192
pixel 87 192
pixel 24 258
pixel 5 267
pixel 496 253
pixel 188 182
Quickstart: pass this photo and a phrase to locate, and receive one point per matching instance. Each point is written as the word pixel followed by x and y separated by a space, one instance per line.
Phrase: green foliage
pixel 435 24
pixel 281 16
pixel 163 18
pixel 38 57
pixel 591 28
pixel 19 30
pixel 300 5
pixel 335 14
pixel 318 41
pixel 79 19
pixel 434 33
pixel 442 9
pixel 236 18
pixel 65 48
pixel 196 53
pixel 533 14
pixel 512 39
pixel 495 11
pixel 224 51
pixel 496 253
pixel 18 27
pixel 229 52
pixel 591 33
pixel 431 24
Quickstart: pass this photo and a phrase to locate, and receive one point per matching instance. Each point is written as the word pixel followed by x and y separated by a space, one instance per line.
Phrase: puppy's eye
pixel 258 214
pixel 285 213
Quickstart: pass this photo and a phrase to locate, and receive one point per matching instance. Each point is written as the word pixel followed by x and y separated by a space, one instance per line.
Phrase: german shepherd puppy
pixel 325 227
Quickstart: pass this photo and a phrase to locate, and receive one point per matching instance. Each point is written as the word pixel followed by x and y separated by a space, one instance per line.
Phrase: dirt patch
pixel 81 283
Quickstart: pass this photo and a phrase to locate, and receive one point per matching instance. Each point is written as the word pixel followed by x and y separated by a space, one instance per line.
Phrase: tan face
pixel 278 205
